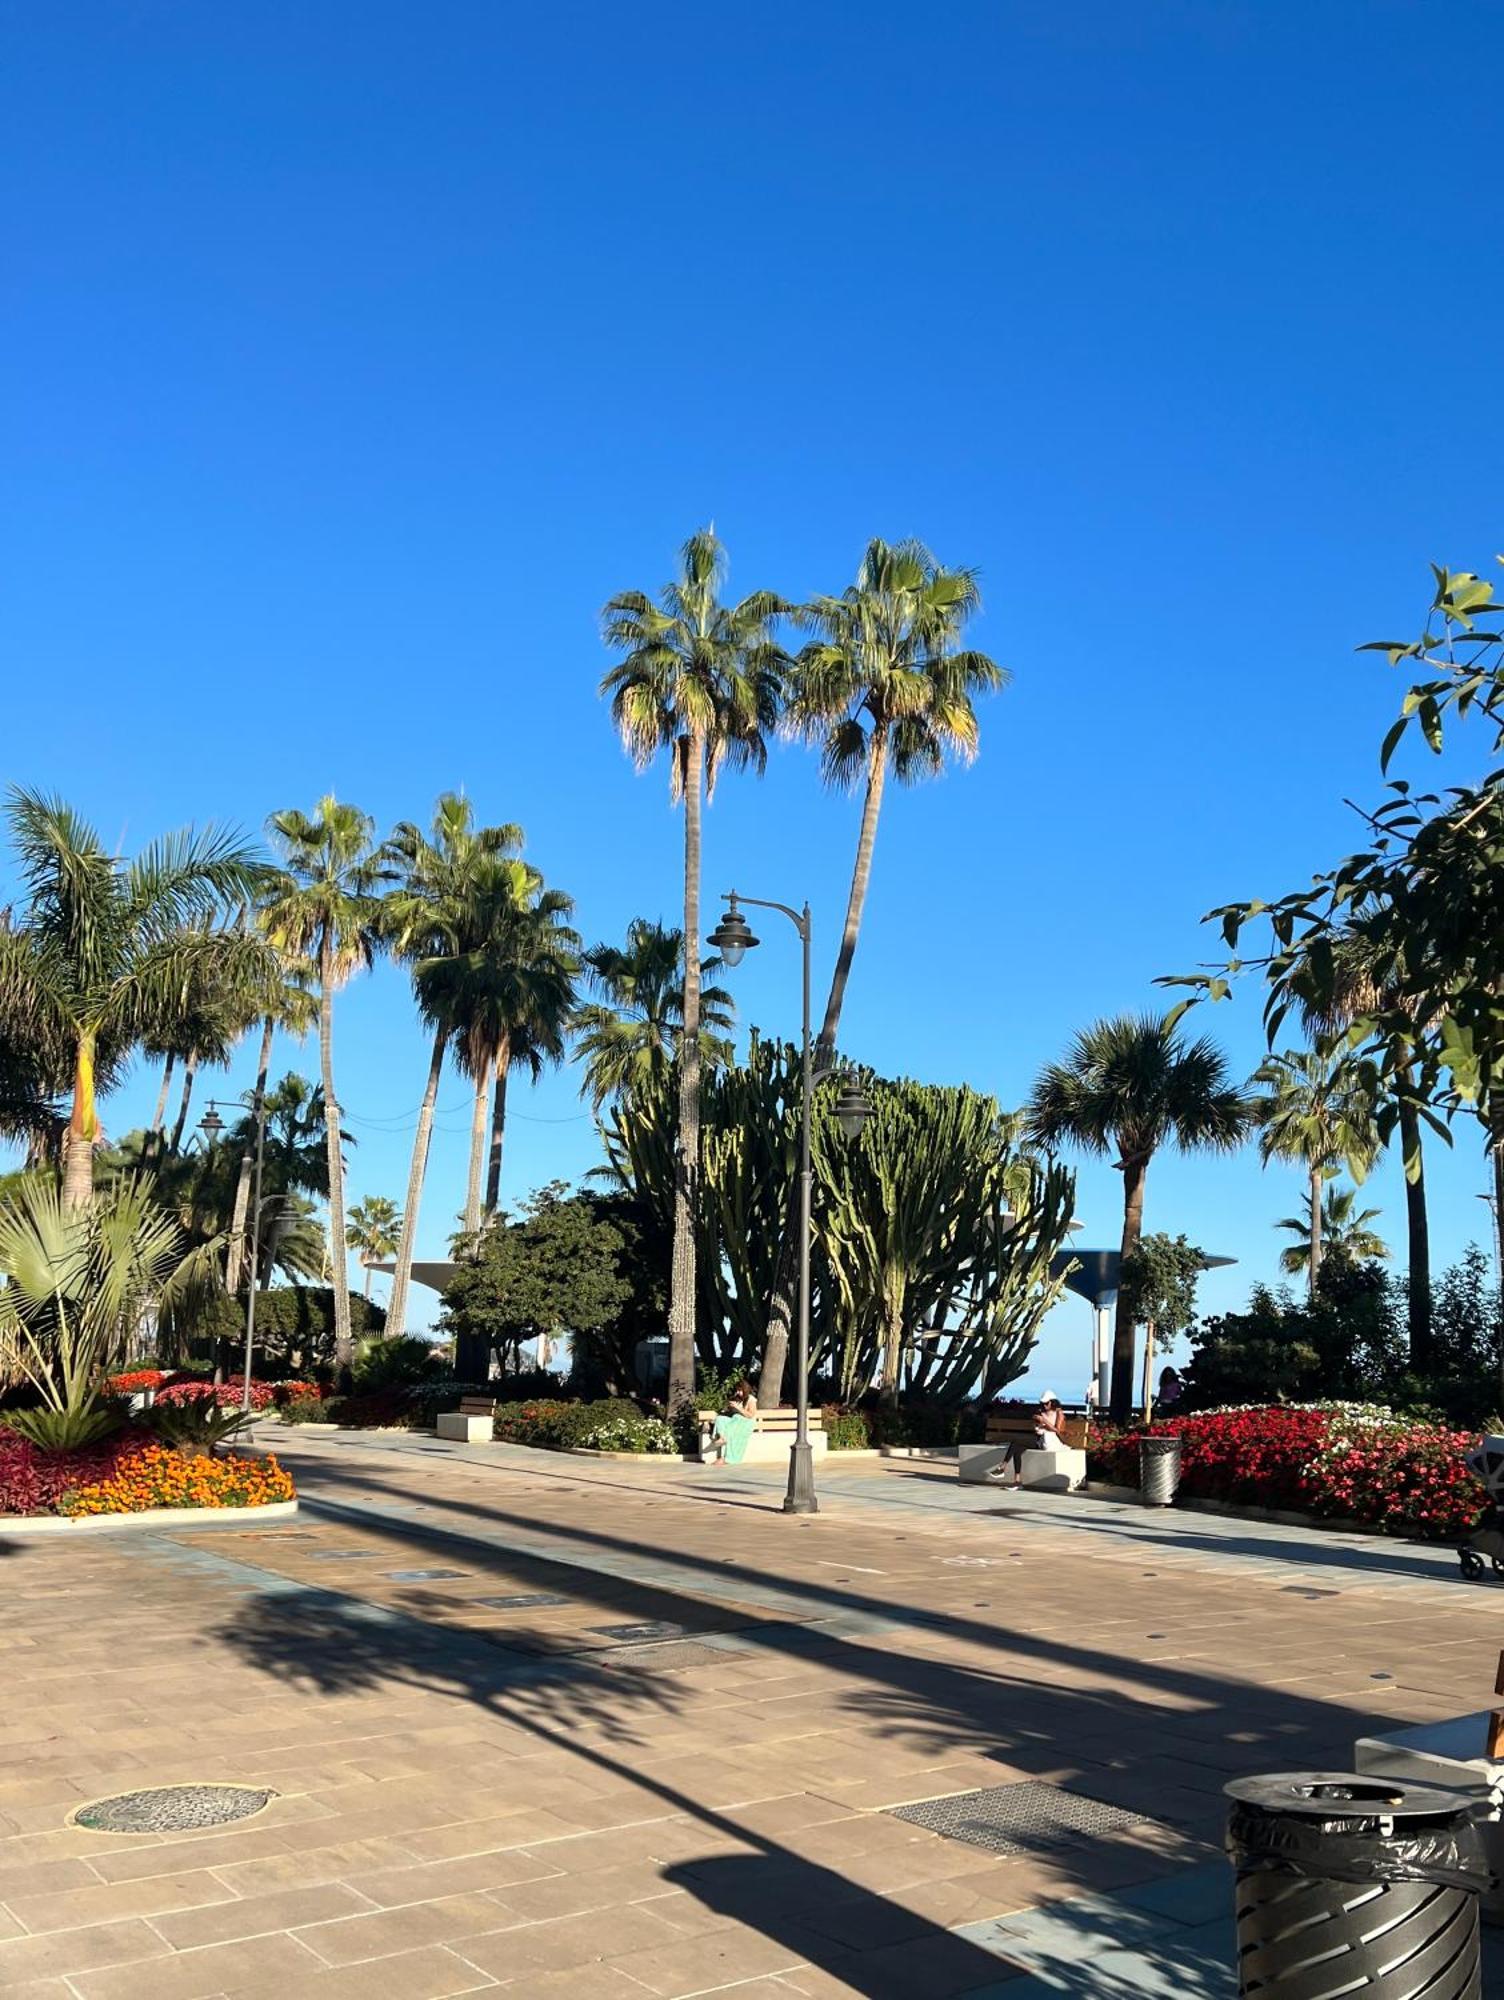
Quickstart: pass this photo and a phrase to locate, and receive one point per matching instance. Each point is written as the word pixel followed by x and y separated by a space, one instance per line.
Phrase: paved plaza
pixel 559 1725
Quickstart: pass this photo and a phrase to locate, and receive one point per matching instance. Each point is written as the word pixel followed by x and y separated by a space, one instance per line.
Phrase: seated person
pixel 1049 1435
pixel 733 1427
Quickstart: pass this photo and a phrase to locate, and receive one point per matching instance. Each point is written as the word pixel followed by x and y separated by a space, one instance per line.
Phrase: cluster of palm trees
pixel 877 677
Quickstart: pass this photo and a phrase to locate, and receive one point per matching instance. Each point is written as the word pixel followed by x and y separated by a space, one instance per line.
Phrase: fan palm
pixel 508 989
pixel 1364 977
pixel 375 1228
pixel 326 911
pixel 701 680
pixel 106 949
pixel 1346 1238
pixel 1130 1086
pixel 430 915
pixel 631 1034
pixel 1318 1111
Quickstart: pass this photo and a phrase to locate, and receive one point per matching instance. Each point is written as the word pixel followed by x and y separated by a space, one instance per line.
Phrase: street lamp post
pixel 732 938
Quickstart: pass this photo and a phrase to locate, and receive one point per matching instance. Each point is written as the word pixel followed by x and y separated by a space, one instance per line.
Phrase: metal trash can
pixel 1158 1469
pixel 1351 1885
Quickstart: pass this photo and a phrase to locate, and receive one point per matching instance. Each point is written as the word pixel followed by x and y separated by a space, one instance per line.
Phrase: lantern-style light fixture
pixel 732 936
pixel 211 1124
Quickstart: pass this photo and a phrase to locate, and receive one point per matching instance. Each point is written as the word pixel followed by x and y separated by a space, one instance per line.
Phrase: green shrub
pixel 557 1426
pixel 200 1424
pixel 305 1410
pixel 401 1362
pixel 846 1430
pixel 69 1429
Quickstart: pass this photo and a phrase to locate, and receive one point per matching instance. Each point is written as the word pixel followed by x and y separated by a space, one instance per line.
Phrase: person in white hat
pixel 1049 1435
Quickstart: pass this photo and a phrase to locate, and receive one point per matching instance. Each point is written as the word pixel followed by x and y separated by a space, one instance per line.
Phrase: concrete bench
pixel 474 1422
pixel 1048 1471
pixel 775 1432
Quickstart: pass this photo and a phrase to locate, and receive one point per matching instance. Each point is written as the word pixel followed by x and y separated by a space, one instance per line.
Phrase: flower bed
pixel 560 1426
pixel 136 1381
pixel 1338 1461
pixel 227 1395
pixel 153 1476
pixel 126 1473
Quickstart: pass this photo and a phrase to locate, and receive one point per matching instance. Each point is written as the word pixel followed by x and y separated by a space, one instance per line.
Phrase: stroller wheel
pixel 1472 1564
pixel 1498 1563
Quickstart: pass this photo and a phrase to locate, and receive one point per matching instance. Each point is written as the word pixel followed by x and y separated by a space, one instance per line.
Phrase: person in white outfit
pixel 1049 1435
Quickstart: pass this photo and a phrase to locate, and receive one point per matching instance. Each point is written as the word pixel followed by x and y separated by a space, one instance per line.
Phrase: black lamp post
pixel 733 939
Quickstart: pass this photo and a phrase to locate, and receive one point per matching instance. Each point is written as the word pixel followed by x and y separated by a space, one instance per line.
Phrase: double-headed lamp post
pixel 732 938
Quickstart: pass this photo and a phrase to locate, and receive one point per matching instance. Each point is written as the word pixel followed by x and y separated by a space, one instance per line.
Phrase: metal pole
pixel 250 1296
pixel 800 1498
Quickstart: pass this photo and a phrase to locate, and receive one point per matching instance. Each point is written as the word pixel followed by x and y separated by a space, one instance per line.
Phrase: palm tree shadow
pixel 590 1707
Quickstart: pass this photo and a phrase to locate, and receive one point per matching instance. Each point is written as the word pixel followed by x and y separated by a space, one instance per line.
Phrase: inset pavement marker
pixel 173 1808
pixel 1019 1819
pixel 520 1601
pixel 651 1628
pixel 422 1575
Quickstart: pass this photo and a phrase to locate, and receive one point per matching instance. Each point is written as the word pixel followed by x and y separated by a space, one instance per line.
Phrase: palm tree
pixel 285 1003
pixel 106 949
pixel 430 916
pixel 326 911
pixel 1130 1086
pixel 375 1227
pixel 1315 1110
pixel 886 687
pixel 509 991
pixel 701 680
pixel 632 1033
pixel 1346 1238
pixel 1359 978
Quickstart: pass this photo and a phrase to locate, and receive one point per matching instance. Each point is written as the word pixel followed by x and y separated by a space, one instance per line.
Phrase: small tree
pixel 556 1270
pixel 1158 1280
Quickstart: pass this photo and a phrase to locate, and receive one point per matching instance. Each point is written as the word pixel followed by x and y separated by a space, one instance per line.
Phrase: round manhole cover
pixel 173 1808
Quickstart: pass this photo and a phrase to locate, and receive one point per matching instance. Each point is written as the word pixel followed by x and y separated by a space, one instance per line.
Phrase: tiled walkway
pixel 558 1725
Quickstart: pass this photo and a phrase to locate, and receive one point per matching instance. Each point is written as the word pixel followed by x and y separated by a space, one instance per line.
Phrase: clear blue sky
pixel 354 353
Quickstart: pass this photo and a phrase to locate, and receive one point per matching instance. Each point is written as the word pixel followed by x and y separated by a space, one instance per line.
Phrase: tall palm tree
pixel 1129 1086
pixel 375 1228
pixel 327 911
pixel 1359 978
pixel 105 949
pixel 631 1034
pixel 430 916
pixel 285 1003
pixel 886 687
pixel 1317 1111
pixel 509 991
pixel 701 680
pixel 1346 1238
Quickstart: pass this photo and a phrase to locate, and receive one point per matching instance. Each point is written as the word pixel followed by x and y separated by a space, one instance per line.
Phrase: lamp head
pixel 211 1124
pixel 853 1108
pixel 732 936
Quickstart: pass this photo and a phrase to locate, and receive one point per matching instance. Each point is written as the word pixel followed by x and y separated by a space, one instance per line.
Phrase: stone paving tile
pixel 270 1962
pixel 429 1973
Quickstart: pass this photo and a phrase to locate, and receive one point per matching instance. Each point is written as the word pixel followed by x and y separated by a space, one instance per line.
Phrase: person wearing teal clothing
pixel 727 1443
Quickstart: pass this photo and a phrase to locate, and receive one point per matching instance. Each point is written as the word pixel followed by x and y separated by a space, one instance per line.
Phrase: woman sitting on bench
pixel 1049 1435
pixel 733 1427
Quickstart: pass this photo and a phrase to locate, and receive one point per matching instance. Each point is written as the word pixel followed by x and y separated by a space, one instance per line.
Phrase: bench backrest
pixel 477 1406
pixel 1005 1428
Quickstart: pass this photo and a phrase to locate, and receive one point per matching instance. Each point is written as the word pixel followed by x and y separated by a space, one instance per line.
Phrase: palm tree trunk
pixel 478 1144
pixel 367 1287
pixel 190 1071
pixel 396 1312
pixel 1318 1181
pixel 1418 1228
pixel 1134 1173
pixel 159 1119
pixel 235 1254
pixel 781 1299
pixel 861 877
pixel 498 1126
pixel 83 1129
pixel 339 1274
pixel 681 1291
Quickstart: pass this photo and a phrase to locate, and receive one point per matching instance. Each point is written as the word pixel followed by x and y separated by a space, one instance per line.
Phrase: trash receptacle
pixel 1158 1469
pixel 1351 1885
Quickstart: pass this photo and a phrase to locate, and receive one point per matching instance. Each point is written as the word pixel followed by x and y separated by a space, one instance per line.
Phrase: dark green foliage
pixel 306 1410
pixel 1159 1277
pixel 556 1270
pixel 198 1425
pixel 65 1429
pixel 401 1362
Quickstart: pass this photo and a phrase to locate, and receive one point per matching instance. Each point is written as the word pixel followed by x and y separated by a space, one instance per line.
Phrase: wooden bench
pixel 775 1432
pixel 474 1422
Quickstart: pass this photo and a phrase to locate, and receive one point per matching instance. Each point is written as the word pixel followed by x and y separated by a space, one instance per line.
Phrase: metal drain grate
pixel 674 1657
pixel 651 1628
pixel 1019 1819
pixel 422 1575
pixel 173 1808
pixel 520 1601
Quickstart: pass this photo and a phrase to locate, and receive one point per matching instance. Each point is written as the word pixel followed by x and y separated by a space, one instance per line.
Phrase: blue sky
pixel 355 353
